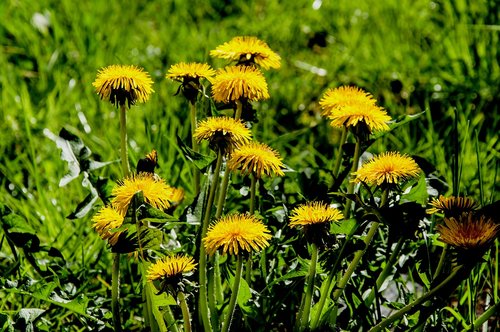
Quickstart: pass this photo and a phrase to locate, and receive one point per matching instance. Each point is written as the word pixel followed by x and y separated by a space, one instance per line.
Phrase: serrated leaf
pixel 418 193
pixel 201 161
pixel 400 121
pixel 343 227
pixel 244 294
pixel 423 275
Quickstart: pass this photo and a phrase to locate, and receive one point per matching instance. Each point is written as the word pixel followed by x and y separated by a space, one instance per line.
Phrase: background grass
pixel 434 56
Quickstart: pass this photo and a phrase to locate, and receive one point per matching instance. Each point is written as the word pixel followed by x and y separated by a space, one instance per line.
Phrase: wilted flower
pixel 123 85
pixel 469 231
pixel 452 206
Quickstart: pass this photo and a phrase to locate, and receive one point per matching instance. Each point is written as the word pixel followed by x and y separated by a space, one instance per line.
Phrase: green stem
pixel 185 311
pixel 196 147
pixel 338 159
pixel 354 168
pixel 248 267
pixel 442 259
pixel 303 317
pixel 385 272
pixel 326 290
pixel 115 292
pixel 123 140
pixel 169 317
pixel 234 295
pixel 203 300
pixel 494 309
pixel 239 110
pixel 414 305
pixel 359 254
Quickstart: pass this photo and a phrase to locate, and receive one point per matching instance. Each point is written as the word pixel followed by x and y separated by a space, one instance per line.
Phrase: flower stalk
pixel 234 295
pixel 115 292
pixel 203 299
pixel 196 147
pixel 186 317
pixel 303 317
pixel 123 140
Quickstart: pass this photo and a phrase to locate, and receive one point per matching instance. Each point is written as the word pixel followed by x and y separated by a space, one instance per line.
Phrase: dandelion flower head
pixel 469 231
pixel 236 233
pixel 237 83
pixel 248 50
pixel 155 192
pixel 121 85
pixel 256 158
pixel 223 133
pixel 313 213
pixel 452 206
pixel 170 267
pixel 190 71
pixel 387 168
pixel 106 220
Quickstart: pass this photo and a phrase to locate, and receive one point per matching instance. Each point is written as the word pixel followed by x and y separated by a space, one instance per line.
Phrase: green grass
pixel 413 56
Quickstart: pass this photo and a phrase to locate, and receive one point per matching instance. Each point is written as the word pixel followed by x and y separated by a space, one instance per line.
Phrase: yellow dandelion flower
pixel 105 221
pixel 170 267
pixel 452 206
pixel 469 231
pixel 123 85
pixel 222 133
pixel 235 233
pixel 155 192
pixel 248 50
pixel 175 195
pixel 374 117
pixel 313 213
pixel 237 83
pixel 256 158
pixel 387 168
pixel 190 71
pixel 337 98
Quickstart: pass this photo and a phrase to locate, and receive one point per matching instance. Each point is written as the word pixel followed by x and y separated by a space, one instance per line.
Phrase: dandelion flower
pixel 373 117
pixel 237 83
pixel 155 192
pixel 256 158
pixel 123 85
pixel 313 213
pixel 106 220
pixel 175 195
pixel 336 99
pixel 170 267
pixel 469 231
pixel 452 206
pixel 222 133
pixel 189 74
pixel 235 233
pixel 190 71
pixel 387 168
pixel 248 50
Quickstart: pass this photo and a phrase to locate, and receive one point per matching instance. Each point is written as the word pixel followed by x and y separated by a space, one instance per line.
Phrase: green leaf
pixel 343 227
pixel 26 317
pixel 201 161
pixel 400 121
pixel 418 193
pixel 423 275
